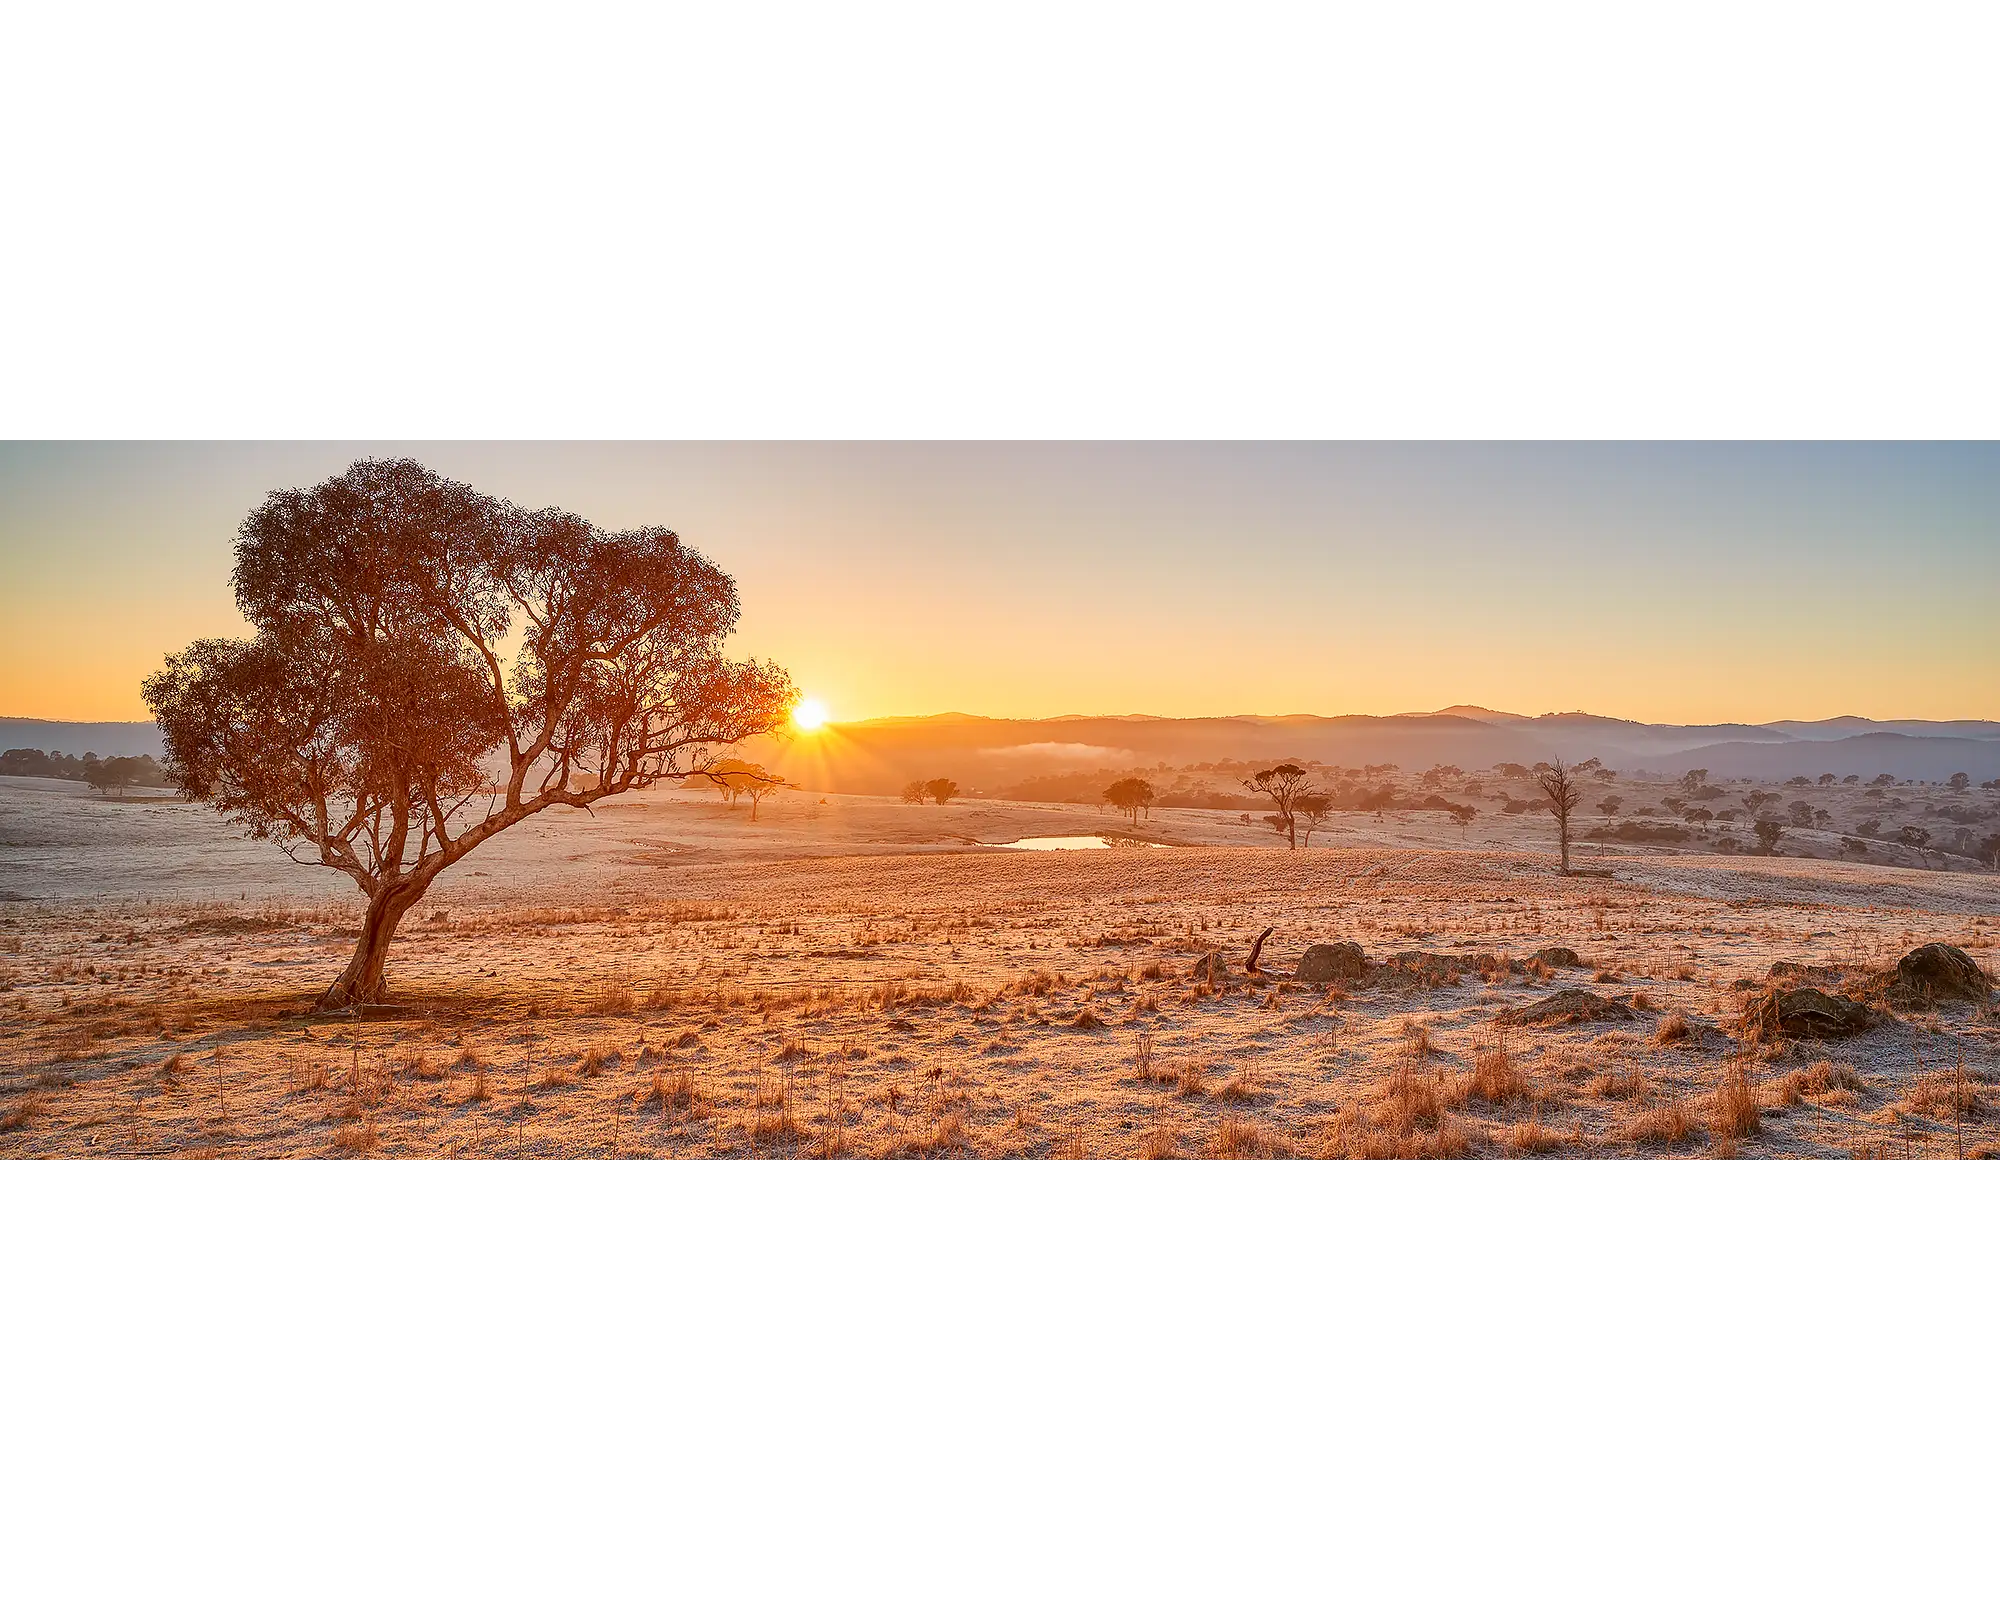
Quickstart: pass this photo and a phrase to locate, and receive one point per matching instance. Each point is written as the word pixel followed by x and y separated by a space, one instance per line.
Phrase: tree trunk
pixel 362 983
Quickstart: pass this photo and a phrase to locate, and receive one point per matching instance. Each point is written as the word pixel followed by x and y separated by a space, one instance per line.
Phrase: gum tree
pixel 432 666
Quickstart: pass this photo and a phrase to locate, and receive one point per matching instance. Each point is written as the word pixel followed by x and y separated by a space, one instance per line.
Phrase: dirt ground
pixel 854 977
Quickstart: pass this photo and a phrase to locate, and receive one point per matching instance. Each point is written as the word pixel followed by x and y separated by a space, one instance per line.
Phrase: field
pixel 849 976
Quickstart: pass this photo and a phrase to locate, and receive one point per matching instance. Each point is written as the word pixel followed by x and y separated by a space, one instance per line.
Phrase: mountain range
pixel 880 755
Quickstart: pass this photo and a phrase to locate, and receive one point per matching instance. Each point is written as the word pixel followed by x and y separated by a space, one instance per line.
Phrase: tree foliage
pixel 1131 796
pixel 432 665
pixel 1285 786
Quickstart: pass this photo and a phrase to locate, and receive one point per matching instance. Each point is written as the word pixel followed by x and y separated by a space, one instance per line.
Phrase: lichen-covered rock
pixel 1943 972
pixel 1804 1013
pixel 1565 1006
pixel 1341 963
pixel 1557 955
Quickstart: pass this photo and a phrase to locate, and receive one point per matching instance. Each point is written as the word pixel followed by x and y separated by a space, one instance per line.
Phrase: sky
pixel 1667 583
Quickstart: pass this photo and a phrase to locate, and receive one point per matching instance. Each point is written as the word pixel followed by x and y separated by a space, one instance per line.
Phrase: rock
pixel 1942 972
pixel 1804 1013
pixel 1341 963
pixel 1565 1005
pixel 1557 955
pixel 1212 967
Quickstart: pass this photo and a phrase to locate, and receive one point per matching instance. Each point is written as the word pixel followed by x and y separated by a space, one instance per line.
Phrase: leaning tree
pixel 432 665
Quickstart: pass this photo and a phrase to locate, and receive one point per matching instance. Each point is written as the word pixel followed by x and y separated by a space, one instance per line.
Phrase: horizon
pixel 1691 584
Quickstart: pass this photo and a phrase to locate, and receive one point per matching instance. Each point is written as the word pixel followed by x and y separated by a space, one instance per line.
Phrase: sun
pixel 809 715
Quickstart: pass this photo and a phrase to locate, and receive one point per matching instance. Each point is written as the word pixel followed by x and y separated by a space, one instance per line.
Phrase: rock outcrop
pixel 1341 963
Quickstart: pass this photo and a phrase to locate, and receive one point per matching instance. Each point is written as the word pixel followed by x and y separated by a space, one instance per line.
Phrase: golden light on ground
pixel 809 716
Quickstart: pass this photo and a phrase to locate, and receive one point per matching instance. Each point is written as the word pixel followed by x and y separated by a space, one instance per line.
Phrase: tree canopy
pixel 432 665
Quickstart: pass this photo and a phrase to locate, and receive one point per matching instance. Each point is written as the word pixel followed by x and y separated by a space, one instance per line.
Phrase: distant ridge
pixel 881 755
pixel 74 738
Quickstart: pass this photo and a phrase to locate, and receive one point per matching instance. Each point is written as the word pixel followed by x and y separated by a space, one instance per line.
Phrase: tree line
pixel 107 775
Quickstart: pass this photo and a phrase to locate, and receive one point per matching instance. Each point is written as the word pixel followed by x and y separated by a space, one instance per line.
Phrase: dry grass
pixel 1239 1139
pixel 1241 1087
pixel 1192 1080
pixel 18 1114
pixel 1816 1082
pixel 1668 1123
pixel 417 1064
pixel 1159 1144
pixel 1534 1138
pixel 1945 1097
pixel 1147 1063
pixel 1358 1135
pixel 1621 1083
pixel 1417 1042
pixel 1494 1079
pixel 610 1000
pixel 357 1138
pixel 1733 1112
pixel 1673 1029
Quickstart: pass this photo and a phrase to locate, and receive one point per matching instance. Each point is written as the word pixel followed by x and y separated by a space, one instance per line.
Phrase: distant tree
pixel 740 778
pixel 1852 777
pixel 1989 850
pixel 1800 813
pixel 1312 810
pixel 124 772
pixel 1798 781
pixel 1131 796
pixel 1692 781
pixel 1826 778
pixel 1727 815
pixel 1562 795
pixel 1284 785
pixel 1885 777
pixel 1462 815
pixel 1870 827
pixel 1700 816
pixel 1610 805
pixel 1757 799
pixel 941 790
pixel 1769 831
pixel 1960 782
pixel 1919 840
pixel 1821 816
pixel 913 792
pixel 432 666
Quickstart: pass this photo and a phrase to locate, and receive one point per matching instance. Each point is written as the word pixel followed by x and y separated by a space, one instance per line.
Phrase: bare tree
pixel 1131 796
pixel 358 727
pixel 941 790
pixel 1563 796
pixel 913 792
pixel 1285 784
